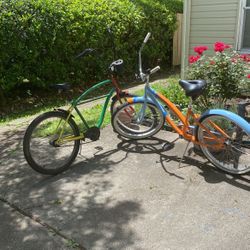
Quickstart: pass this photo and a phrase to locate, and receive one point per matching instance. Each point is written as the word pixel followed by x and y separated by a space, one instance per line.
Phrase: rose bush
pixel 225 72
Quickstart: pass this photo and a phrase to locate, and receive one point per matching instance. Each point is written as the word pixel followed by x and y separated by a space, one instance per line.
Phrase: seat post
pixel 190 103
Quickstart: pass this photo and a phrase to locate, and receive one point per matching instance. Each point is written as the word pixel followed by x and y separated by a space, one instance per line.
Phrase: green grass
pixel 44 108
pixel 171 89
pixel 34 111
pixel 46 105
pixel 90 114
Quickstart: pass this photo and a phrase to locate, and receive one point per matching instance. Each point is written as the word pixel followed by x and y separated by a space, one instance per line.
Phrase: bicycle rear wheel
pixel 126 122
pixel 47 143
pixel 230 150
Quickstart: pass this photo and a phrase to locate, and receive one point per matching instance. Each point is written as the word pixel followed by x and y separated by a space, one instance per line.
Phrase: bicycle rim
pixel 127 123
pixel 49 146
pixel 232 153
pixel 117 102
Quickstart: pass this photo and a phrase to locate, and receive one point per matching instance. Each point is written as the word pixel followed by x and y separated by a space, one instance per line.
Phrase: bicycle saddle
pixel 193 88
pixel 116 66
pixel 62 86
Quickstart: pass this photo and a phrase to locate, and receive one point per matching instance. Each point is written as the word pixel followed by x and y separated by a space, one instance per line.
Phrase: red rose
pixel 245 57
pixel 200 49
pixel 212 62
pixel 193 59
pixel 220 46
pixel 248 76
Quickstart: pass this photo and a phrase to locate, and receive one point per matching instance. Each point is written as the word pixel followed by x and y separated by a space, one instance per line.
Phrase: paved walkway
pixel 121 194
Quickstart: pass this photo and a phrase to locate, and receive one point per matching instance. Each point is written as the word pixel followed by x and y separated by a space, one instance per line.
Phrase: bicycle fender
pixel 137 99
pixel 230 115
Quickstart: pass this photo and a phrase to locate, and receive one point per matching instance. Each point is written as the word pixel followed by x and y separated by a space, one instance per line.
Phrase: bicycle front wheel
pixel 225 144
pixel 116 102
pixel 49 146
pixel 126 122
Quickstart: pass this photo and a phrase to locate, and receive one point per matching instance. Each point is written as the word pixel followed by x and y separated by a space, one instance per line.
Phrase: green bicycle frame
pixel 80 100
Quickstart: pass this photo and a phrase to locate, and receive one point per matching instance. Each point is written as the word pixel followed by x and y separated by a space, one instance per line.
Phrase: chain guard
pixel 93 133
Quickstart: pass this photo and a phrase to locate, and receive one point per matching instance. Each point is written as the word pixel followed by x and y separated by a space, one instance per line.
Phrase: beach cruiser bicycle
pixel 52 140
pixel 222 136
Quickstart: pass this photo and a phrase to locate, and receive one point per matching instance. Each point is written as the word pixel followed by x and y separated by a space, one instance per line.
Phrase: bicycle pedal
pixel 168 146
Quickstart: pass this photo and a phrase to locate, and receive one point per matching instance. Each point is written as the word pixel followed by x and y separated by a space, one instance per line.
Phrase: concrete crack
pixel 42 223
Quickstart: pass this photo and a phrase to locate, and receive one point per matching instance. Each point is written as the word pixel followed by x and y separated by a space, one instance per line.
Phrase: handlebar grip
pixel 147 37
pixel 85 52
pixel 152 71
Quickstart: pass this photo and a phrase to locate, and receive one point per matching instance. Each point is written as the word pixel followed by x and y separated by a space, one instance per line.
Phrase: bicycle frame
pixel 80 100
pixel 151 96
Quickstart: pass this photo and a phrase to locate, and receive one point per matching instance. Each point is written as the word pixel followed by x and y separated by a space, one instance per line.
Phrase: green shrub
pixel 39 38
pixel 173 91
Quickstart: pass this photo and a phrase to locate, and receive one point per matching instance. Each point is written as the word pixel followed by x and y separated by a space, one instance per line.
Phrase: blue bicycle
pixel 222 136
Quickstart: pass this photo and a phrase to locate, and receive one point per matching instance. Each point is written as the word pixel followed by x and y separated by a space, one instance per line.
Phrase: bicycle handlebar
pixel 147 37
pixel 85 52
pixel 143 76
pixel 152 71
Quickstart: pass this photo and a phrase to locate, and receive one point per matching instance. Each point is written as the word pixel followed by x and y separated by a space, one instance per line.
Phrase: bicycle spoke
pixel 233 157
pixel 50 145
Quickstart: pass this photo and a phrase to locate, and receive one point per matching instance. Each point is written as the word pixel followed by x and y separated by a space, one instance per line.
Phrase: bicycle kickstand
pixel 183 154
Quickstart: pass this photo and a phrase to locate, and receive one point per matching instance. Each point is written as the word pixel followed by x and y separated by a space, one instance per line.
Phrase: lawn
pixel 91 114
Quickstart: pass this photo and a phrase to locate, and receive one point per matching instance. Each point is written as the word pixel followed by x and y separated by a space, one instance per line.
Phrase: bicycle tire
pixel 233 155
pixel 36 140
pixel 124 124
pixel 116 102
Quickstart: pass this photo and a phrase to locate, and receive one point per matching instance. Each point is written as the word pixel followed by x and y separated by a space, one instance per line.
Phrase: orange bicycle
pixel 223 137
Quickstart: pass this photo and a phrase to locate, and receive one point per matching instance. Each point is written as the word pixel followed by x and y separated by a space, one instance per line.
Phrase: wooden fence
pixel 177 41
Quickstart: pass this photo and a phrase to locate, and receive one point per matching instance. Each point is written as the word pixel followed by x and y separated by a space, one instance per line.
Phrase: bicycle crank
pixel 92 133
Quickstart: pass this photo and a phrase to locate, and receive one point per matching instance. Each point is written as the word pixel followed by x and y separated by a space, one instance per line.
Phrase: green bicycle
pixel 52 140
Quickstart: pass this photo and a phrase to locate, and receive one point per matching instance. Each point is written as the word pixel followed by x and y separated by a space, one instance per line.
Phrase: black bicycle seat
pixel 193 88
pixel 116 66
pixel 62 86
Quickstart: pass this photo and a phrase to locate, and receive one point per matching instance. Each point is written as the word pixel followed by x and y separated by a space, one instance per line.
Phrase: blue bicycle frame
pixel 151 96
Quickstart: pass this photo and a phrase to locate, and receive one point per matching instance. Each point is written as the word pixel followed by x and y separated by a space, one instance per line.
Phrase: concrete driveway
pixel 121 194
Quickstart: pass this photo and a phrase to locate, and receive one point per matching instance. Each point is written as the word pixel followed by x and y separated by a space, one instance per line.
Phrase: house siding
pixel 208 21
pixel 211 21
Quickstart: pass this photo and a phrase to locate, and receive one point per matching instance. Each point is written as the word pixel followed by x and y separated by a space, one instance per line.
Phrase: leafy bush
pixel 225 72
pixel 173 92
pixel 39 38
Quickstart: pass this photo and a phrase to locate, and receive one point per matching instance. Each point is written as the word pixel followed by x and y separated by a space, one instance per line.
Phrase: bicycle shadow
pixel 79 201
pixel 99 163
pixel 193 157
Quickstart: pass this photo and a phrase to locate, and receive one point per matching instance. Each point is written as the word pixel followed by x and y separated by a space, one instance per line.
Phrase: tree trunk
pixel 2 98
